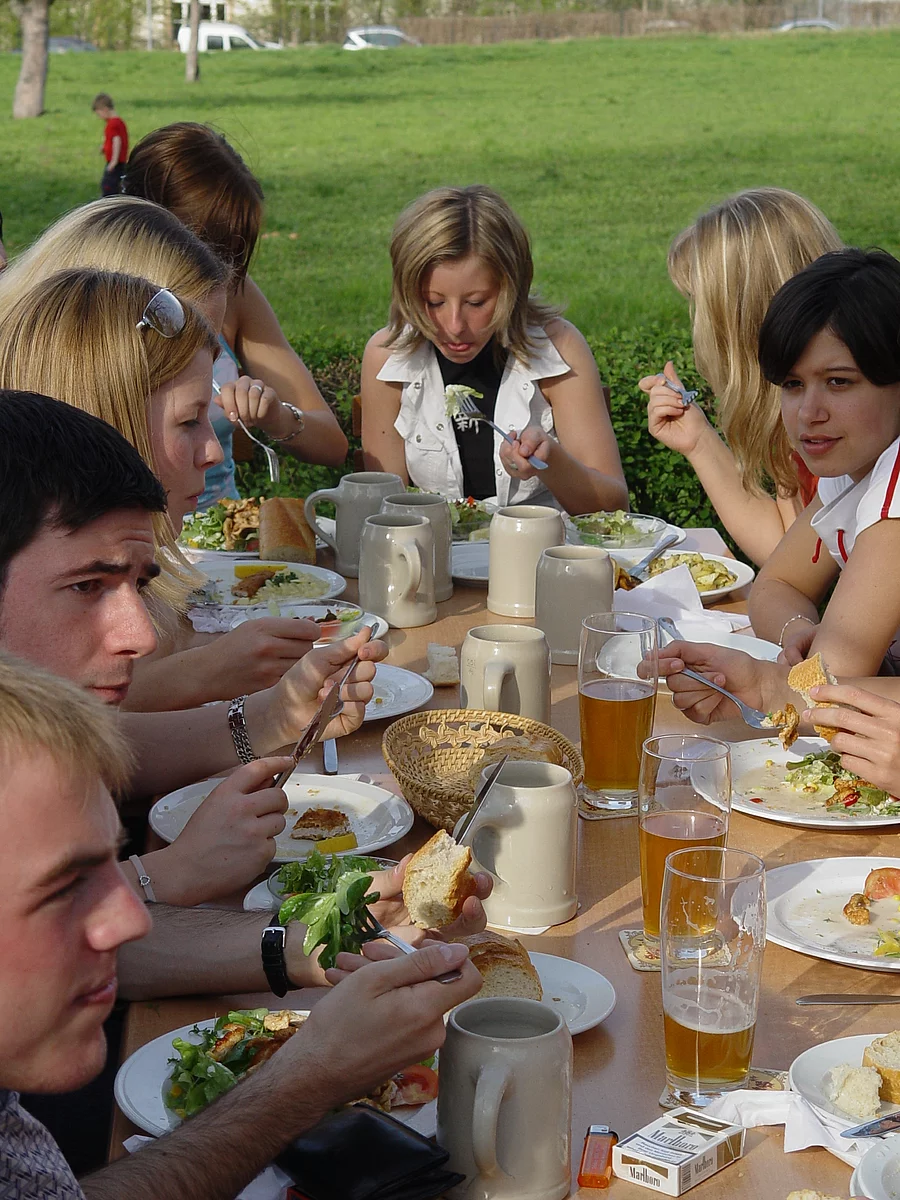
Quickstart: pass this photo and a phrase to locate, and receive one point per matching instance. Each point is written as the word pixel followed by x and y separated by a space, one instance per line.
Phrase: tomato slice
pixel 416 1085
pixel 882 883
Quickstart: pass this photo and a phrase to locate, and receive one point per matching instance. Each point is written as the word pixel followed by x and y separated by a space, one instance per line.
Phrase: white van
pixel 220 35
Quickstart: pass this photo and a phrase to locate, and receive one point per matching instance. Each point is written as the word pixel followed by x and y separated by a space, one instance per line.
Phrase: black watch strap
pixel 273 961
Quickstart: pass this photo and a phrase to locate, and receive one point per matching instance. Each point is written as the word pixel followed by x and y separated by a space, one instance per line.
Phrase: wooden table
pixel 619 1066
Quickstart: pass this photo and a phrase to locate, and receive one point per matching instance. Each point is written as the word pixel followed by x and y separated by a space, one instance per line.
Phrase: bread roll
pixel 854 1090
pixel 812 672
pixel 504 966
pixel 884 1056
pixel 284 535
pixel 534 749
pixel 437 881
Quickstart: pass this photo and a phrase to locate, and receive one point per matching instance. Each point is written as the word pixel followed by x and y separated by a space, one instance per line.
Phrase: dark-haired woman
pixel 192 171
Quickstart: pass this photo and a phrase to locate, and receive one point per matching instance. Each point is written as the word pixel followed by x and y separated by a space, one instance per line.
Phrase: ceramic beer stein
pixel 396 569
pixel 437 510
pixel 356 497
pixel 571 582
pixel 518 535
pixel 505 1100
pixel 506 668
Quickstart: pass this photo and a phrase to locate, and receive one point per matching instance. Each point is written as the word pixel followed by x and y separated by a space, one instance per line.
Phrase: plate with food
pixel 714 574
pixel 628 536
pixel 843 910
pixel 268 895
pixel 878 1175
pixel 177 1075
pixel 805 785
pixel 853 1079
pixel 329 812
pixel 337 619
pixel 397 691
pixel 250 584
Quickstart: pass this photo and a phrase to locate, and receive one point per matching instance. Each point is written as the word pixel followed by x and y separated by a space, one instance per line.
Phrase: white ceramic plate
pixel 878 1175
pixel 804 911
pixel 397 691
pixel 222 575
pixel 744 573
pixel 699 631
pixel 808 1068
pixel 582 996
pixel 220 618
pixel 141 1079
pixel 199 557
pixel 753 779
pixel 377 816
pixel 469 561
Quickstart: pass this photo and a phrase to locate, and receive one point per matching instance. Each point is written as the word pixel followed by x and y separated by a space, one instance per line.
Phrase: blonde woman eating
pixel 729 264
pixel 462 312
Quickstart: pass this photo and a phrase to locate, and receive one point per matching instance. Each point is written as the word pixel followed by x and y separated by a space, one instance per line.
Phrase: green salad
pixel 822 769
pixel 227 525
pixel 618 529
pixel 468 517
pixel 331 901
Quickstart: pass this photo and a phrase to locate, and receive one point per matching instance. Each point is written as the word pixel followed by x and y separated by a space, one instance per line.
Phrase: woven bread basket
pixel 431 754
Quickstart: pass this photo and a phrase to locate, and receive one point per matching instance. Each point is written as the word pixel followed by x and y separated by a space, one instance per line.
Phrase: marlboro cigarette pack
pixel 676 1152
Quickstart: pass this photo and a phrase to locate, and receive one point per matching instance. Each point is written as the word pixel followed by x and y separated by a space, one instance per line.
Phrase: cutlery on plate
pixel 329 756
pixel 846 998
pixel 480 797
pixel 374 929
pixel 751 716
pixel 876 1128
pixel 639 571
pixel 687 397
pixel 469 408
pixel 271 456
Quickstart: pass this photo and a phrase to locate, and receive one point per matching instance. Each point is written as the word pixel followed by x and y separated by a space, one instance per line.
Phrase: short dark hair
pixel 59 464
pixel 103 100
pixel 854 294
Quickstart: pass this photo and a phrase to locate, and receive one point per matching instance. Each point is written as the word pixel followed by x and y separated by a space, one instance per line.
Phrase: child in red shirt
pixel 115 144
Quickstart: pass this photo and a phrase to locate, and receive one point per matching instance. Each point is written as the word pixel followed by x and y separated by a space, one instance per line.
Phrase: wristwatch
pixel 273 961
pixel 298 417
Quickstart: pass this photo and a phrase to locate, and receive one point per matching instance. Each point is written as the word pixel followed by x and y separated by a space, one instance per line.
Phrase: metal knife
pixel 846 998
pixel 875 1128
pixel 639 570
pixel 480 798
pixel 330 757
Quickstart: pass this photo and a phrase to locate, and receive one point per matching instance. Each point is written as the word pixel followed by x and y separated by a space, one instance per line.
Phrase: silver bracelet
pixel 298 417
pixel 143 879
pixel 790 621
pixel 238 727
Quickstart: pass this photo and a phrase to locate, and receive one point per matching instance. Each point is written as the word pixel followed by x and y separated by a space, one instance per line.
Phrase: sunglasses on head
pixel 164 314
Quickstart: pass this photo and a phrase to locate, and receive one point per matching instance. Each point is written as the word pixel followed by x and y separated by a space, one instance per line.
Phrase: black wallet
pixel 361 1153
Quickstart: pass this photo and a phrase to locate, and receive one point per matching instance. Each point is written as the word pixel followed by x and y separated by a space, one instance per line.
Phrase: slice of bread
pixel 812 672
pixel 884 1056
pixel 437 881
pixel 854 1090
pixel 317 824
pixel 443 665
pixel 504 966
pixel 534 749
pixel 284 532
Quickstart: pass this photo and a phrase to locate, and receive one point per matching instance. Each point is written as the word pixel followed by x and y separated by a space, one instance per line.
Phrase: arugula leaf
pixel 318 874
pixel 333 917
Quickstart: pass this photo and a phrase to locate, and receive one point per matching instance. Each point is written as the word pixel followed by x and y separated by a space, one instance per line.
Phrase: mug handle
pixel 309 511
pixel 493 1081
pixel 494 674
pixel 413 559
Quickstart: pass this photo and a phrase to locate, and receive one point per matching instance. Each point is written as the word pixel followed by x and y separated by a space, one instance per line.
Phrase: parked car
pixel 220 35
pixel 809 23
pixel 65 45
pixel 377 37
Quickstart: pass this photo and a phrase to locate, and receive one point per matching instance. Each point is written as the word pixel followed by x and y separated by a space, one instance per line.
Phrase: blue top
pixel 219 480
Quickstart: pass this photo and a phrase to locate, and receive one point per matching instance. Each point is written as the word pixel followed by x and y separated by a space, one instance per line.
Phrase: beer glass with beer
pixel 684 798
pixel 616 707
pixel 712 938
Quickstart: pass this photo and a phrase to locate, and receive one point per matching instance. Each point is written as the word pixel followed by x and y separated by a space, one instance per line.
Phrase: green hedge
pixel 661 482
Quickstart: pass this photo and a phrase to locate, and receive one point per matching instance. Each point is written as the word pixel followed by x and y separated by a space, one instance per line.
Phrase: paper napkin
pixel 674 594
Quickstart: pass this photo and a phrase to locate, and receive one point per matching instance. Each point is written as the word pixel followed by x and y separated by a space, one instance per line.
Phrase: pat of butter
pixel 680 1150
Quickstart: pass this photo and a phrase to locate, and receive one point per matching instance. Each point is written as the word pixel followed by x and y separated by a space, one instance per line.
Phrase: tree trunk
pixel 34 18
pixel 192 67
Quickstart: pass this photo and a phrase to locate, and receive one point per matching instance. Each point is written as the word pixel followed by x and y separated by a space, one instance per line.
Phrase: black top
pixel 476 444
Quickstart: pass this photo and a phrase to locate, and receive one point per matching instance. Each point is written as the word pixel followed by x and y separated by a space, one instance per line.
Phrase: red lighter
pixel 596 1158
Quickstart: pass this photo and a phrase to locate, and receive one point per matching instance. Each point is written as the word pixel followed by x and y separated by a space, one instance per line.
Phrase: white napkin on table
pixel 270 1184
pixel 804 1125
pixel 674 594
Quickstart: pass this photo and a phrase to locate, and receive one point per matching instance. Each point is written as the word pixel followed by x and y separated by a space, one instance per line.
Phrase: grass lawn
pixel 605 147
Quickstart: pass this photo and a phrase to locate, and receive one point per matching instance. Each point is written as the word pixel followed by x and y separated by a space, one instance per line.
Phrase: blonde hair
pixel 38 710
pixel 449 224
pixel 74 337
pixel 730 263
pixel 120 233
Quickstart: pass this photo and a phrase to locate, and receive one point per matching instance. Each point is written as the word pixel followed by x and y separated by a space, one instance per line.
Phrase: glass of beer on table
pixel 712 938
pixel 616 706
pixel 684 799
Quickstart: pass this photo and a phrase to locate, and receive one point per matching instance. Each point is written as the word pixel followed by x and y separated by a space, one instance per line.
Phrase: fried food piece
pixel 227 1040
pixel 622 579
pixel 856 910
pixel 317 824
pixel 250 586
pixel 787 721
pixel 882 883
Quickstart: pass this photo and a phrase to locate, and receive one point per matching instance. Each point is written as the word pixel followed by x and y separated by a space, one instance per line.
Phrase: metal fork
pixel 687 398
pixel 752 716
pixel 271 456
pixel 469 408
pixel 373 929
